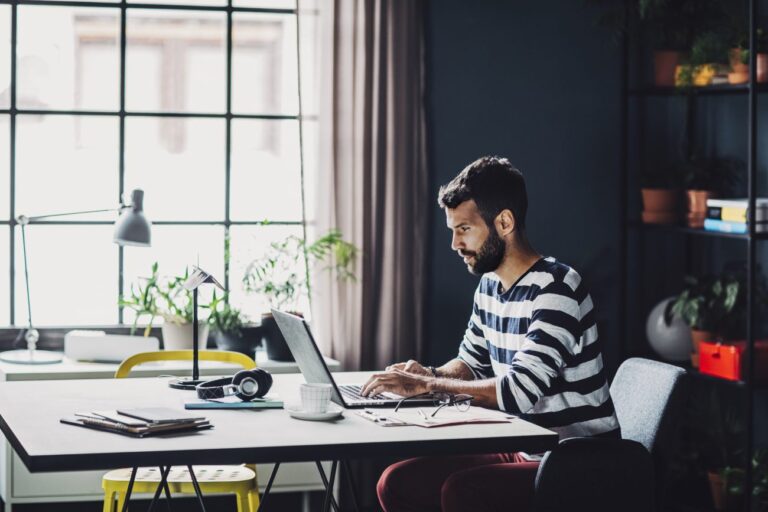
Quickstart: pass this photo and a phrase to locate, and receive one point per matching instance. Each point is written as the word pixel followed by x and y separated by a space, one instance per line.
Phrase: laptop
pixel 312 365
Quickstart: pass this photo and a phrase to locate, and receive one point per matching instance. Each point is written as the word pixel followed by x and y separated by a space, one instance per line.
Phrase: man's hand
pixel 410 366
pixel 397 381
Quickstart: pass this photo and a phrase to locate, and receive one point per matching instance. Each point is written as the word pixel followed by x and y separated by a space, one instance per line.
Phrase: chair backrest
pixel 183 355
pixel 647 395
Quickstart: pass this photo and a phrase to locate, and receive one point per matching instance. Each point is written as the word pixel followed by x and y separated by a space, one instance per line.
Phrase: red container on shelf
pixel 725 360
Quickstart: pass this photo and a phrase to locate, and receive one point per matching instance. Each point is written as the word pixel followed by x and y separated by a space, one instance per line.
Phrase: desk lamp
pixel 193 282
pixel 131 228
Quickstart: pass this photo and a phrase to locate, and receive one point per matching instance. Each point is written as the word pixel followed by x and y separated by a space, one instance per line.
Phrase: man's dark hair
pixel 494 184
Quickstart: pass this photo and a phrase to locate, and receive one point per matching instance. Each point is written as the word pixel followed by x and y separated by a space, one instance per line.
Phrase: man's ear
pixel 505 223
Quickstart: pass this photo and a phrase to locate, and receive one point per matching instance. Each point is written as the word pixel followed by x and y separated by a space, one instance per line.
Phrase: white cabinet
pixel 18 485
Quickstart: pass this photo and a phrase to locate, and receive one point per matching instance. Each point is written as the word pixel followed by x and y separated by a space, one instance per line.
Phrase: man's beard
pixel 490 255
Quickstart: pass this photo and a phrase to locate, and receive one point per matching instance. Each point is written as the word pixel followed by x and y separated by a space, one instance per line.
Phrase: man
pixel 531 349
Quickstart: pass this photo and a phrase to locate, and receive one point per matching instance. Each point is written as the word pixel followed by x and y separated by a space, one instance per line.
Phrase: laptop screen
pixel 304 349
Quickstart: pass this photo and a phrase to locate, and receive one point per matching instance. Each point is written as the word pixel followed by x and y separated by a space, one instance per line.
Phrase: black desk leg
pixel 329 489
pixel 269 486
pixel 163 485
pixel 325 483
pixel 197 488
pixel 130 488
pixel 352 489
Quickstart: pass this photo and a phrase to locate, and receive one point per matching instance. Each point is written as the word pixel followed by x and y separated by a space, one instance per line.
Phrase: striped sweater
pixel 539 341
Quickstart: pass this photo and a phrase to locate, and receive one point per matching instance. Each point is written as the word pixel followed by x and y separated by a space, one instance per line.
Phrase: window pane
pixel 266 173
pixel 267 4
pixel 248 243
pixel 72 275
pixel 67 164
pixel 176 61
pixel 68 58
pixel 5 165
pixel 5 56
pixel 264 64
pixel 176 248
pixel 5 265
pixel 179 162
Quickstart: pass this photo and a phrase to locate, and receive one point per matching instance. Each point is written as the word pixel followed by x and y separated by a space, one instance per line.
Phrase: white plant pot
pixel 179 337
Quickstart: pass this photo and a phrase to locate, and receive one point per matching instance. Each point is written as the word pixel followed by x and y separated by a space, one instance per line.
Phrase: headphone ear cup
pixel 262 380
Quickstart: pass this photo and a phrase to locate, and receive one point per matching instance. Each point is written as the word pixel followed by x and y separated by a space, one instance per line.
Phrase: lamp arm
pixel 23 219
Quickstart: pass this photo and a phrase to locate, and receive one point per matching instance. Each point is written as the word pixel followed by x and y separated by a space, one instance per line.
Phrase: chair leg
pixel 253 500
pixel 120 500
pixel 109 501
pixel 242 501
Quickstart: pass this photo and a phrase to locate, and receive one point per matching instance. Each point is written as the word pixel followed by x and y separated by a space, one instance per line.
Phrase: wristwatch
pixel 433 370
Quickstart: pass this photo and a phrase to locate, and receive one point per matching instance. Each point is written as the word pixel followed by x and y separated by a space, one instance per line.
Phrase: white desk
pixel 18 485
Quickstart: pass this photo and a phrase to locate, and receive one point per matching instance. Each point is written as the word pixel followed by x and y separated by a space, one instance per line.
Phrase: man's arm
pixel 453 369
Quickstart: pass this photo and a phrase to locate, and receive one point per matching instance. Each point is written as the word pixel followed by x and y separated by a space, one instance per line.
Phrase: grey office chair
pixel 618 474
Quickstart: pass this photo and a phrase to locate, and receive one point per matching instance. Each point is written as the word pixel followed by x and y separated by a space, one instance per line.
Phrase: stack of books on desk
pixel 730 215
pixel 140 422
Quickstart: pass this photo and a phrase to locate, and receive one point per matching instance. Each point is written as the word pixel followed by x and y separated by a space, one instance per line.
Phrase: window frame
pixel 7 333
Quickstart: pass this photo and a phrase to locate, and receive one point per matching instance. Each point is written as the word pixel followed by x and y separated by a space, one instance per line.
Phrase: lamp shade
pixel 132 227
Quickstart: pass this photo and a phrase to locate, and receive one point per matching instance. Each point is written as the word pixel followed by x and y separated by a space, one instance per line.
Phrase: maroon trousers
pixel 477 483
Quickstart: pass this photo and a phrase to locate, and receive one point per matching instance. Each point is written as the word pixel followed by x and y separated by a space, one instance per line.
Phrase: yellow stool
pixel 240 480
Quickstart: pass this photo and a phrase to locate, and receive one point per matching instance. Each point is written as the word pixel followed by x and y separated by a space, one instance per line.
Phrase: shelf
pixel 678 228
pixel 710 90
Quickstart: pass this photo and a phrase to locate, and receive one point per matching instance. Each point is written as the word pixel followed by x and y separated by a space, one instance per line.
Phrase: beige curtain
pixel 371 181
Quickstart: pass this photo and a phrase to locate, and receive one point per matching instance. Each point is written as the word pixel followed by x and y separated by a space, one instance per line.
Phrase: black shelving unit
pixel 630 224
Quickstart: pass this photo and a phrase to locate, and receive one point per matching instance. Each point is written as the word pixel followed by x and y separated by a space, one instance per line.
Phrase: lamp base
pixel 26 356
pixel 186 383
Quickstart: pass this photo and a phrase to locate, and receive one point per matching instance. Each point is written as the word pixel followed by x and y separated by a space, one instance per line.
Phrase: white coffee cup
pixel 315 397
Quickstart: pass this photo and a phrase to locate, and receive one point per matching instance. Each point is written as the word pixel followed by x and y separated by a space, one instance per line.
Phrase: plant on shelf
pixel 229 326
pixel 732 478
pixel 660 193
pixel 279 276
pixel 705 178
pixel 704 304
pixel 708 51
pixel 167 298
pixel 738 56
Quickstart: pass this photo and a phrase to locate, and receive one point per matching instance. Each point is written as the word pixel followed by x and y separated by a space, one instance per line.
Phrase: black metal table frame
pixel 328 502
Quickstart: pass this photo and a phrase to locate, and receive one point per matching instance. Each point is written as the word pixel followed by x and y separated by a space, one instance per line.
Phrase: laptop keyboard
pixel 352 392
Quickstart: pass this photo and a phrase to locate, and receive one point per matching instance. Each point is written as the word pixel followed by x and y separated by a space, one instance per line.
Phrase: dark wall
pixel 538 83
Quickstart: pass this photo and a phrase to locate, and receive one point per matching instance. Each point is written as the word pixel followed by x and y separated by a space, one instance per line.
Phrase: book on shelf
pixel 119 423
pixel 724 226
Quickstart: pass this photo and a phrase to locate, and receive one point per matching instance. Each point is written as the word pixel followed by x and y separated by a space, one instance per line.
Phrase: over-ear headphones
pixel 246 385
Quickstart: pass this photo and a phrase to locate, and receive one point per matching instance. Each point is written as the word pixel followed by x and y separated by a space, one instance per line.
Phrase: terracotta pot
pixel 717 489
pixel 734 58
pixel 697 206
pixel 697 337
pixel 664 64
pixel 738 78
pixel 762 67
pixel 659 200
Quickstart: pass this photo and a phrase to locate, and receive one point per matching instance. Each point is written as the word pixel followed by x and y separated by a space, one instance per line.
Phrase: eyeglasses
pixel 460 401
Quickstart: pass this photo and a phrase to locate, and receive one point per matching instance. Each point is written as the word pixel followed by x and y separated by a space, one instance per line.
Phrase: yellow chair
pixel 240 480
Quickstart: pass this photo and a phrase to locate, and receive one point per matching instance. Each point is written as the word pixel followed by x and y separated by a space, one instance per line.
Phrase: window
pixel 195 104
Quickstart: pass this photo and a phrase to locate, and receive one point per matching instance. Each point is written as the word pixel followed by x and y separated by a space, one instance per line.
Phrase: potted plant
pixel 729 484
pixel 739 58
pixel 705 178
pixel 709 305
pixel 279 277
pixel 167 298
pixel 708 50
pixel 669 23
pixel 660 196
pixel 230 327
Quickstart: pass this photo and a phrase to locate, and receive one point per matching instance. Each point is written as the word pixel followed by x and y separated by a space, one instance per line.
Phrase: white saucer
pixel 333 412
